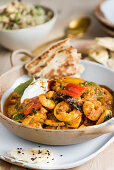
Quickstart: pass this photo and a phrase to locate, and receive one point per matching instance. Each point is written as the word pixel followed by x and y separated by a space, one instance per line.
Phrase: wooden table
pixel 67 10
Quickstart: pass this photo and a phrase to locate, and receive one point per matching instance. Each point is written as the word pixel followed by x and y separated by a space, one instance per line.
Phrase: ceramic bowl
pixel 93 72
pixel 27 38
pixel 102 12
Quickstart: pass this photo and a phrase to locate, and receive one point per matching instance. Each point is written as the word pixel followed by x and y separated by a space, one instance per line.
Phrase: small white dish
pixel 73 155
pixel 107 7
pixel 27 38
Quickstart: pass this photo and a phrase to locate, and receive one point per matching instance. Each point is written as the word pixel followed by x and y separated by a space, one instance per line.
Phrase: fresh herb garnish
pixel 34 111
pixel 39 10
pixel 17 13
pixel 108 116
pixel 90 83
pixel 15 21
pixel 20 89
pixel 61 86
pixel 8 28
pixel 19 116
pixel 20 108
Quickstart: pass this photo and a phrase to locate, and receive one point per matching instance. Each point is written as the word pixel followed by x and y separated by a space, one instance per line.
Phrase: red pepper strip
pixel 73 90
pixel 35 103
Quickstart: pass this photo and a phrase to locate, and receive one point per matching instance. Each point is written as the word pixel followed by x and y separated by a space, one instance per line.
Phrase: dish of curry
pixel 67 104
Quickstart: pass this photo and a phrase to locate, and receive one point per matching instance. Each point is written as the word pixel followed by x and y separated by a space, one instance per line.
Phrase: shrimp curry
pixel 67 103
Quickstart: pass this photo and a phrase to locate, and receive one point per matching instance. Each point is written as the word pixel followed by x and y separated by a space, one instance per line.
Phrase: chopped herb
pixel 56 127
pixel 20 108
pixel 68 124
pixel 19 116
pixel 38 7
pixel 54 100
pixel 90 83
pixel 87 92
pixel 15 21
pixel 17 13
pixel 39 10
pixel 34 111
pixel 61 86
pixel 95 90
pixel 19 122
pixel 8 28
pixel 108 116
pixel 100 93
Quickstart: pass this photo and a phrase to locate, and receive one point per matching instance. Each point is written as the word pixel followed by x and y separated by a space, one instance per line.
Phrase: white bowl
pixel 27 38
pixel 93 72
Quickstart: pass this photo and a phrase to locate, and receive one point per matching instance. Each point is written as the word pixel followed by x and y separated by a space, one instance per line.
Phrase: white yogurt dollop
pixel 39 86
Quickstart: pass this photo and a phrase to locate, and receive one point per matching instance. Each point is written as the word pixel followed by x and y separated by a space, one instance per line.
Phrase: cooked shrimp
pixel 36 124
pixel 46 102
pixel 54 123
pixel 63 112
pixel 49 94
pixel 92 110
pixel 107 114
pixel 82 126
pixel 76 122
pixel 107 98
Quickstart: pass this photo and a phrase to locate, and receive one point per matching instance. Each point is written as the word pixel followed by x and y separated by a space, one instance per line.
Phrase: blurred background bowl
pixel 104 13
pixel 27 38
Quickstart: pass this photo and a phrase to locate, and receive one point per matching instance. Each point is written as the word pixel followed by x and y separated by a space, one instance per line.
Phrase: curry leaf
pixel 20 89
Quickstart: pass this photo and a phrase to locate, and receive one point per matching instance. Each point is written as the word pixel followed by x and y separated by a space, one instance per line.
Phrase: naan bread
pixel 99 54
pixel 60 59
pixel 31 155
pixel 110 62
pixel 106 42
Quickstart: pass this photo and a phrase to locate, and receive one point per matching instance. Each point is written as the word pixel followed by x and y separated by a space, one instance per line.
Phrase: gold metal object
pixel 75 29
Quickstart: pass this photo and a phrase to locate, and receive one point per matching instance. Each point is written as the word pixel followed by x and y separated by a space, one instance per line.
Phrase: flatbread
pixel 106 42
pixel 60 59
pixel 99 54
pixel 110 62
pixel 31 155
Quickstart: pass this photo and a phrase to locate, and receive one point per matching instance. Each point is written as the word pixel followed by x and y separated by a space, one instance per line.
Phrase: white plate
pixel 73 155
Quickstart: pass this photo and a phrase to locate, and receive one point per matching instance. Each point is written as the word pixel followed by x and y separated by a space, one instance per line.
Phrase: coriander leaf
pixel 90 83
pixel 19 116
pixel 15 21
pixel 8 28
pixel 34 111
pixel 20 108
pixel 61 86
pixel 38 8
pixel 107 116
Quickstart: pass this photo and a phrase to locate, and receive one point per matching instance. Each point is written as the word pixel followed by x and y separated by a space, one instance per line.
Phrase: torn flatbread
pixel 100 54
pixel 106 42
pixel 60 59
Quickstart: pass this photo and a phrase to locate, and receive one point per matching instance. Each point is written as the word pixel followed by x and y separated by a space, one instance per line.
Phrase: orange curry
pixel 69 103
